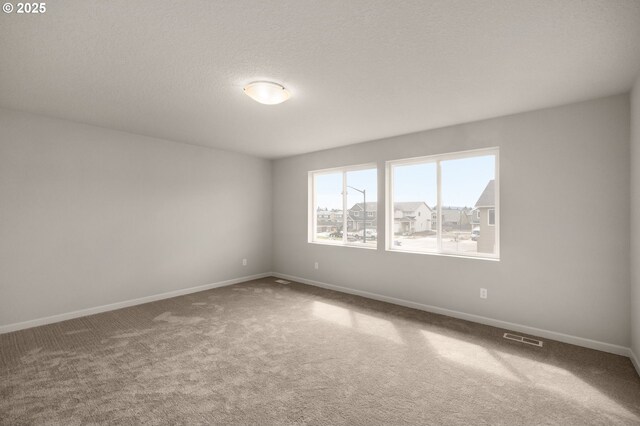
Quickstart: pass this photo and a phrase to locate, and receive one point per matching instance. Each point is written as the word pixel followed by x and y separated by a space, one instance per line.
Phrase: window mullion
pixel 389 218
pixel 439 206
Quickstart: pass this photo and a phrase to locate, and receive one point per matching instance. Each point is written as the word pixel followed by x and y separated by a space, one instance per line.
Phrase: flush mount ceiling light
pixel 266 92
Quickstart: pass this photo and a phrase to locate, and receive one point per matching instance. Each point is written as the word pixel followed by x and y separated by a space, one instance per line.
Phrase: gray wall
pixel 564 223
pixel 91 216
pixel 635 219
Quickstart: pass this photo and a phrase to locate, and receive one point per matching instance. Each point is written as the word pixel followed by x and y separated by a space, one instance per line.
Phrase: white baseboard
pixel 124 304
pixel 561 337
pixel 634 361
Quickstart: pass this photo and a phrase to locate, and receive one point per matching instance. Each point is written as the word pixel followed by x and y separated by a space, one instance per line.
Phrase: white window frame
pixel 437 159
pixel 313 206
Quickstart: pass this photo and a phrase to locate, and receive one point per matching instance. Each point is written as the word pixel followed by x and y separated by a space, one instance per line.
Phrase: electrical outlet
pixel 244 262
pixel 317 265
pixel 483 293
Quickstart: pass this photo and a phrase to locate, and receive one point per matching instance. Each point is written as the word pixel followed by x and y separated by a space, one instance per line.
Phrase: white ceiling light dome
pixel 267 92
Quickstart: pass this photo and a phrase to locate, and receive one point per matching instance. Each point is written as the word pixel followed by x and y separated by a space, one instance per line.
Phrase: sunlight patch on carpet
pixel 360 322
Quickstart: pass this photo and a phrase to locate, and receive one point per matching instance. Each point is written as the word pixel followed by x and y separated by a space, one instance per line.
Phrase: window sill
pixel 461 256
pixel 342 245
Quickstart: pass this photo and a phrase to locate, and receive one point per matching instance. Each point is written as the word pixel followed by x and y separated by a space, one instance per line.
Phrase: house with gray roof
pixel 453 218
pixel 410 217
pixel 486 208
pixel 328 220
pixel 358 217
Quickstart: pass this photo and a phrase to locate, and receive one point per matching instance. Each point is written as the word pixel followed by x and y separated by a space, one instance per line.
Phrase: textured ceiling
pixel 357 69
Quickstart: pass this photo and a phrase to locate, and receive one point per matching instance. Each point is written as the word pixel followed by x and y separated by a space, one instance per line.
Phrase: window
pixel 349 190
pixel 451 190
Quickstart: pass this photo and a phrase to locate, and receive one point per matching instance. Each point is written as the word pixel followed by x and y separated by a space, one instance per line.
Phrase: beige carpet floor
pixel 265 353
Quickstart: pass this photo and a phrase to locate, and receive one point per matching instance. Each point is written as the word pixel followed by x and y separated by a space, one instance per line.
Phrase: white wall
pixel 564 231
pixel 635 219
pixel 90 216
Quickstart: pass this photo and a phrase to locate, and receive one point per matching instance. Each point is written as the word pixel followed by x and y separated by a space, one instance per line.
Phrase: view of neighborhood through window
pixel 339 204
pixel 439 204
pixel 461 219
pixel 414 196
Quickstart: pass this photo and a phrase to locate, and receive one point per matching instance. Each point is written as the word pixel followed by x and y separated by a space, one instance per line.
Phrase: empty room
pixel 320 212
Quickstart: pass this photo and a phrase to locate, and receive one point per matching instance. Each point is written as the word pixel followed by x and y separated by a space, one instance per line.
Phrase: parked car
pixel 372 234
pixel 475 234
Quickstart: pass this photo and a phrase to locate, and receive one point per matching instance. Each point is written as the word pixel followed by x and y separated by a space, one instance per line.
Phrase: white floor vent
pixel 522 339
pixel 283 282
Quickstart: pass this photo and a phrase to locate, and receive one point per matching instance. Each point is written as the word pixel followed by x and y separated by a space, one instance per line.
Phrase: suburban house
pixel 485 206
pixel 410 217
pixel 359 217
pixel 328 220
pixel 453 218
pixel 475 218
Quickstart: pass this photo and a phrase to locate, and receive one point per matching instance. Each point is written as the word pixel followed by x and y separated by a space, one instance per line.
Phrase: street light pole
pixel 364 212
